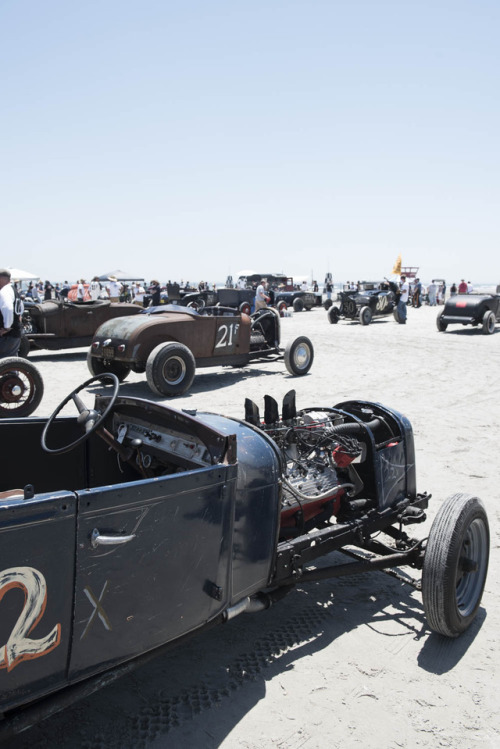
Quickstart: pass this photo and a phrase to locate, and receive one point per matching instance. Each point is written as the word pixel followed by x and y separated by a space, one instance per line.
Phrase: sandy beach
pixel 341 663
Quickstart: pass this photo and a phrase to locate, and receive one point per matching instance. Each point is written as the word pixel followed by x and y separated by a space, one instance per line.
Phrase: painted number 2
pixel 226 335
pixel 19 646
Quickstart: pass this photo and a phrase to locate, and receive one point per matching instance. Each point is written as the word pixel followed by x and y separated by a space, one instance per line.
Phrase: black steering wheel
pixel 89 418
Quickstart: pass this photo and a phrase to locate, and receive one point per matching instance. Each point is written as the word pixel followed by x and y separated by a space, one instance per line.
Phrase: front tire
pixel 245 308
pixel 489 322
pixel 21 387
pixel 299 356
pixel 327 304
pixel 333 315
pixel 455 564
pixel 97 367
pixel 170 369
pixel 365 315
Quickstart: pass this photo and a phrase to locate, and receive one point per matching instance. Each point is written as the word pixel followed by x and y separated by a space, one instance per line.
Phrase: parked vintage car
pixel 471 309
pixel 284 293
pixel 297 299
pixel 62 324
pixel 21 387
pixel 169 342
pixel 370 300
pixel 141 524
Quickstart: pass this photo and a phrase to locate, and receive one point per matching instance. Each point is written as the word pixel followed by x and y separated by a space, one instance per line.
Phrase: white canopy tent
pixel 16 274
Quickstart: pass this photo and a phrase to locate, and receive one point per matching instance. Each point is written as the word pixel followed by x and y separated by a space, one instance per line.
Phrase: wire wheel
pixel 21 387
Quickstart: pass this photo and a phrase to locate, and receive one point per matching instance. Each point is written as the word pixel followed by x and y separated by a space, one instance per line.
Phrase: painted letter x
pixel 98 609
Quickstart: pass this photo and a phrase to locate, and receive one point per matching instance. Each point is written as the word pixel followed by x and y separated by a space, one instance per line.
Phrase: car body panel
pixel 212 339
pixel 61 324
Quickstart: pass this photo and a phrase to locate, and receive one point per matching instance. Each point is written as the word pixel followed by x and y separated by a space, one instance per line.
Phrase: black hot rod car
pixel 471 309
pixel 169 342
pixel 141 524
pixel 370 300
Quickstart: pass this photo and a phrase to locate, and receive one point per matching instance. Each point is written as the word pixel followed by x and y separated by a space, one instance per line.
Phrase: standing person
pixel 462 287
pixel 417 292
pixel 11 309
pixel 431 293
pixel 94 289
pixel 155 293
pixel 80 291
pixel 328 289
pixel 403 300
pixel 47 291
pixel 261 298
pixel 115 289
pixel 138 290
pixel 65 290
pixel 453 289
pixel 470 287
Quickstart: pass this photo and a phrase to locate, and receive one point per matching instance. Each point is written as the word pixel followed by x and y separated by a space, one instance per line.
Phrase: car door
pixel 37 550
pixel 153 563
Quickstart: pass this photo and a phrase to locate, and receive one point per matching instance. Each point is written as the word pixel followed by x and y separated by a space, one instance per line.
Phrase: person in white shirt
pixel 139 292
pixel 261 299
pixel 95 289
pixel 115 289
pixel 403 300
pixel 10 317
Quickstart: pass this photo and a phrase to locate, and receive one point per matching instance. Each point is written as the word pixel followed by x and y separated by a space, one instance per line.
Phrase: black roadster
pixel 479 310
pixel 365 302
pixel 136 524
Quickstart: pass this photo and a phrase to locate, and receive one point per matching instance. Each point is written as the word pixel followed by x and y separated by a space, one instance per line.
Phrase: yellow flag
pixel 397 266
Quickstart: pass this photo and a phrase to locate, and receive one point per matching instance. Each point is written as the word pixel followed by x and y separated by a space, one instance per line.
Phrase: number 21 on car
pixel 227 336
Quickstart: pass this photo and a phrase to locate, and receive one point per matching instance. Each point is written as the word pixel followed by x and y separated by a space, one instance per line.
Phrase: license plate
pixel 108 352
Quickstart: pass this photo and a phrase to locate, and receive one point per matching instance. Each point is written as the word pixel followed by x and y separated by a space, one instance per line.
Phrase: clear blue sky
pixel 193 139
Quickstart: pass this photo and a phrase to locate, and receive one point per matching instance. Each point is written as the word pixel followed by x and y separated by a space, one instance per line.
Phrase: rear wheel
pixel 333 315
pixel 299 356
pixel 21 387
pixel 441 324
pixel 455 564
pixel 98 367
pixel 245 308
pixel 298 305
pixel 170 369
pixel 365 315
pixel 489 322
